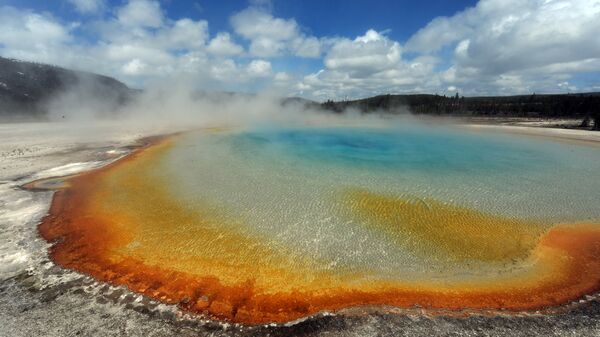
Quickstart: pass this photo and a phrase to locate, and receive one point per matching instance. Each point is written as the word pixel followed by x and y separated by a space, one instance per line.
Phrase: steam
pixel 179 107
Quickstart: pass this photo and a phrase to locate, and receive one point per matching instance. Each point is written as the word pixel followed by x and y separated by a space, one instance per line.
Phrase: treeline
pixel 585 106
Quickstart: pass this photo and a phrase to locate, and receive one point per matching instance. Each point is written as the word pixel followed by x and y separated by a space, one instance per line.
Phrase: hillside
pixel 585 106
pixel 27 88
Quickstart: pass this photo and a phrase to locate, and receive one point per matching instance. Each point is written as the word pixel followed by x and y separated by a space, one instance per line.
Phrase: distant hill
pixel 27 88
pixel 582 105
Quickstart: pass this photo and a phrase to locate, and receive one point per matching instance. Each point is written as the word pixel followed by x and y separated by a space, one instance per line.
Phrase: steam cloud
pixel 180 107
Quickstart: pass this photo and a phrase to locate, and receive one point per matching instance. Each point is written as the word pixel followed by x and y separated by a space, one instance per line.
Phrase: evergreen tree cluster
pixel 585 106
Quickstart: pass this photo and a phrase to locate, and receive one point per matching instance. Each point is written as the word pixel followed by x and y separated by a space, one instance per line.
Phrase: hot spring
pixel 271 224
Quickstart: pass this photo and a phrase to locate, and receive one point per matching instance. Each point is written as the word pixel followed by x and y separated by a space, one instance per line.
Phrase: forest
pixel 584 106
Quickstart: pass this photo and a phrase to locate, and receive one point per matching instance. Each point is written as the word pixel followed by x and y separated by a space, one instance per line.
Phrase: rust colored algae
pixel 114 225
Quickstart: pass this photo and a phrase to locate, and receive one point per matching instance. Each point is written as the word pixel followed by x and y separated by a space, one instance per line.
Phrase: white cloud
pixel 253 23
pixel 282 77
pixel 270 36
pixel 130 52
pixel 150 50
pixel 88 6
pixel 134 67
pixel 309 47
pixel 19 29
pixel 224 70
pixel 184 34
pixel 222 45
pixel 141 13
pixel 364 55
pixel 519 43
pixel 369 64
pixel 130 48
pixel 32 36
pixel 259 68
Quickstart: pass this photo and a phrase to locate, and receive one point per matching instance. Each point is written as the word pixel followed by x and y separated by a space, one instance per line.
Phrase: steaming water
pixel 285 186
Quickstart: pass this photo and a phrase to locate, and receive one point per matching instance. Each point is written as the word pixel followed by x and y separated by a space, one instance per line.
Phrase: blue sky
pixel 317 49
pixel 334 17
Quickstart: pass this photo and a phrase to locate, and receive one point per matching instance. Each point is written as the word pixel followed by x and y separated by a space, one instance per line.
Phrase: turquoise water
pixel 505 174
pixel 402 149
pixel 284 184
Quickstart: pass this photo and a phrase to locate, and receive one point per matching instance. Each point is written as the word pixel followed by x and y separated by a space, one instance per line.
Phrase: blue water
pixel 438 151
